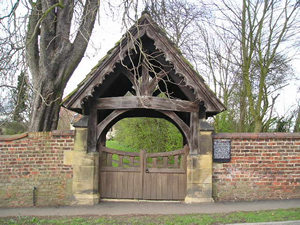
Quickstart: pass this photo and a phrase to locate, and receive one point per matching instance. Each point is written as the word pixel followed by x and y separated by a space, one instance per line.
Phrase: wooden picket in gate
pixel 151 176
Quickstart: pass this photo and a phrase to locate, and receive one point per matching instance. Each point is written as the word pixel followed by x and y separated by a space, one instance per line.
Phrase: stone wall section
pixel 35 160
pixel 262 166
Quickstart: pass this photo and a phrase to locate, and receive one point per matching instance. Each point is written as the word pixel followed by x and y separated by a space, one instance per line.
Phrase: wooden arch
pixel 118 114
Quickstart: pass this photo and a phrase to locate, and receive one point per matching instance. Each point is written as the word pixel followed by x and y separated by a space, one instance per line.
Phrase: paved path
pixel 143 208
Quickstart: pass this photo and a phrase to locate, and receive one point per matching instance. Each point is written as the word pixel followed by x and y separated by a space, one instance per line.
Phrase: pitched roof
pixel 145 26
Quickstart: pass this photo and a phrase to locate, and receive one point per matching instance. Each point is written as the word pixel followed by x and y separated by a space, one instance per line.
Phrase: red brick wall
pixel 262 166
pixel 35 160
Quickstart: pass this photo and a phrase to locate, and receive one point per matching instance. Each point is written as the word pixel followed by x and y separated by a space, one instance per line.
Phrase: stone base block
pixel 197 200
pixel 85 199
pixel 199 190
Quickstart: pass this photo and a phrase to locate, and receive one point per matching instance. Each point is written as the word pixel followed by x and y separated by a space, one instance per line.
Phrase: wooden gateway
pixel 145 176
pixel 144 75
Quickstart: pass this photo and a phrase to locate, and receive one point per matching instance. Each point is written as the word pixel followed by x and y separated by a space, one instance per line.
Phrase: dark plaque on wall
pixel 222 150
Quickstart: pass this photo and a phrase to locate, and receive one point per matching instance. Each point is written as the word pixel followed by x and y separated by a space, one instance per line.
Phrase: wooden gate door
pixel 155 176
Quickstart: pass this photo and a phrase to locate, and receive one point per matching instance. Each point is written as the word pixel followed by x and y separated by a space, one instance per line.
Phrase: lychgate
pixel 143 75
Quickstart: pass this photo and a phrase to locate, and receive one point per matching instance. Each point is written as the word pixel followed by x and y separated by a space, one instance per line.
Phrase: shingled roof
pixel 102 81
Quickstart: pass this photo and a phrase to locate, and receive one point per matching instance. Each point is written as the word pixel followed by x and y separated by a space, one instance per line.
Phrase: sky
pixel 106 33
pixel 110 31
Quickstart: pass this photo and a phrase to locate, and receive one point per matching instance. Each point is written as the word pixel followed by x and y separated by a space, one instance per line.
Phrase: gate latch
pixel 147 170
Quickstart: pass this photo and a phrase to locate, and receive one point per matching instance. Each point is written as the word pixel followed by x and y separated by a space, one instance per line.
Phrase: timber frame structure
pixel 144 75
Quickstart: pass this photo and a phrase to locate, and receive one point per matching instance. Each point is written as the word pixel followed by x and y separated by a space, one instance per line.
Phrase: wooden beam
pixel 147 102
pixel 145 80
pixel 161 89
pixel 154 82
pixel 132 79
pixel 132 91
pixel 92 128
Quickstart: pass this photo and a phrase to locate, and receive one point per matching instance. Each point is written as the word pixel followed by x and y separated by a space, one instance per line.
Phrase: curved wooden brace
pixel 176 119
pixel 182 125
pixel 101 126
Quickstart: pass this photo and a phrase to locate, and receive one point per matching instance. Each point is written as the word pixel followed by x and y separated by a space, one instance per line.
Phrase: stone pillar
pixel 199 168
pixel 85 170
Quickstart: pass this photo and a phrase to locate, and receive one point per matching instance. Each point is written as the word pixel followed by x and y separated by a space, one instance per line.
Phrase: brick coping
pixel 23 135
pixel 256 136
pixel 13 137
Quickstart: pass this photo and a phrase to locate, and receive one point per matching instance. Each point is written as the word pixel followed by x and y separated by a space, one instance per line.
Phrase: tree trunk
pixel 243 110
pixel 46 107
pixel 257 125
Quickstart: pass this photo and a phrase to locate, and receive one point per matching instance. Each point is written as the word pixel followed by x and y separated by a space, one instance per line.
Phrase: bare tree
pixel 12 60
pixel 221 68
pixel 56 37
pixel 265 26
pixel 178 18
pixel 52 56
pixel 264 30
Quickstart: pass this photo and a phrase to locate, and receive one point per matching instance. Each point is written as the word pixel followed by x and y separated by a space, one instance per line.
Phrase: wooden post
pixel 194 124
pixel 92 128
pixel 145 79
pixel 143 165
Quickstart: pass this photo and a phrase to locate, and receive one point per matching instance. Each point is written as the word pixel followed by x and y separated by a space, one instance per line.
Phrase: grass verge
pixel 200 219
